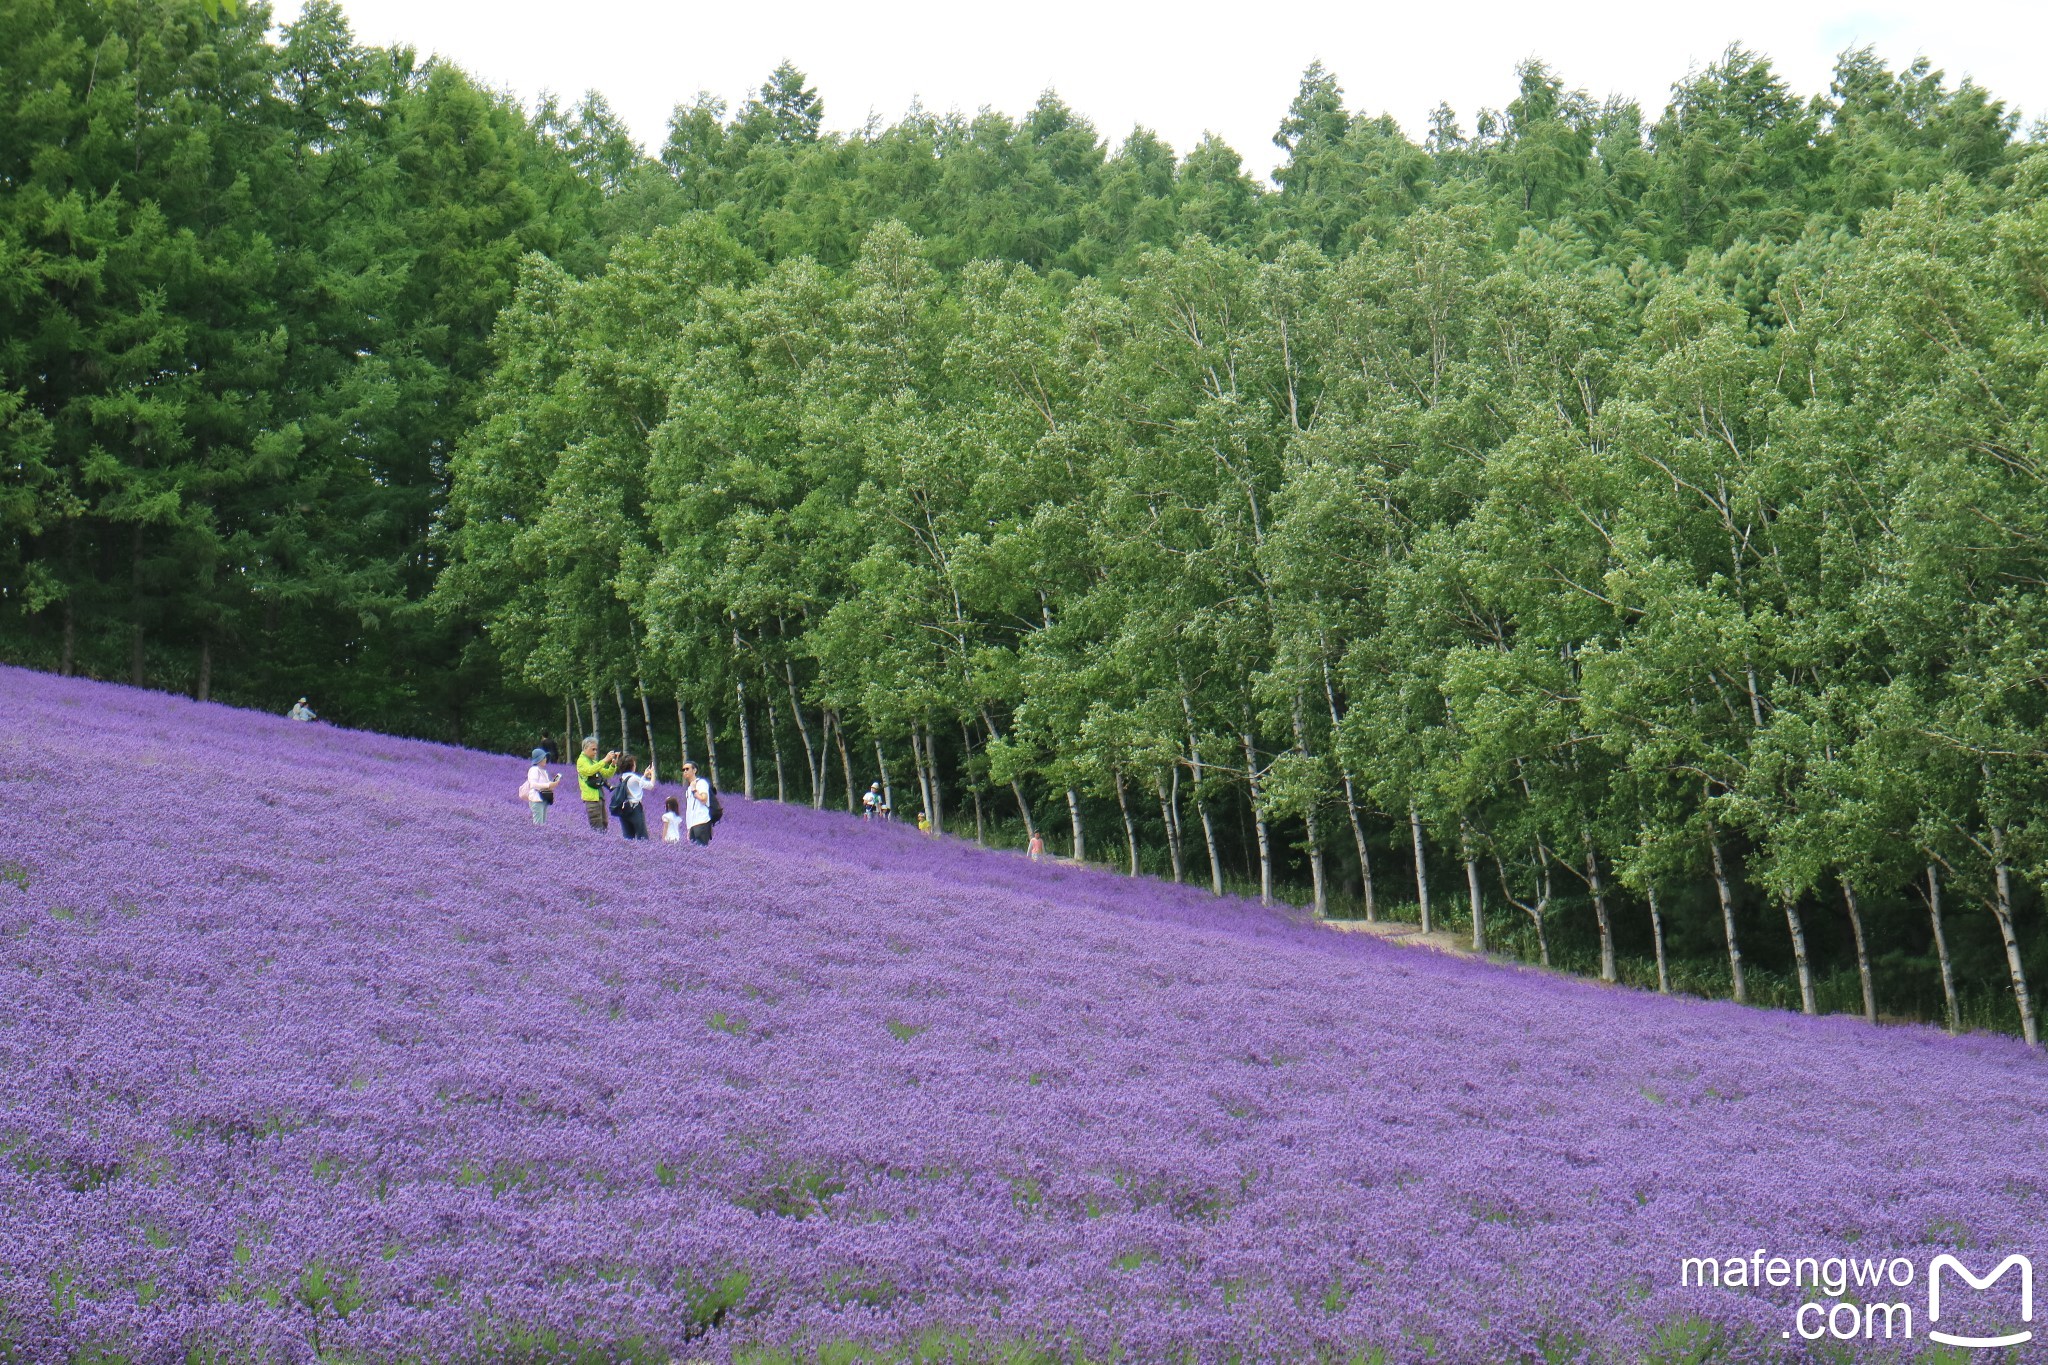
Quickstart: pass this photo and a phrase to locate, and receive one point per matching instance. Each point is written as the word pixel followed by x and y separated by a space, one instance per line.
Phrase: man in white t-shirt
pixel 696 806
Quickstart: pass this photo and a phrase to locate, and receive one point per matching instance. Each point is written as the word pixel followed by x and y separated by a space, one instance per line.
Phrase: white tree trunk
pixel 2003 909
pixel 1599 893
pixel 1130 827
pixel 882 771
pixel 1862 952
pixel 1074 815
pixel 1168 819
pixel 739 688
pixel 1372 912
pixel 1798 928
pixel 1741 988
pixel 814 760
pixel 838 728
pixel 1472 885
pixel 1657 933
pixel 646 719
pixel 1251 773
pixel 1948 978
pixel 1421 865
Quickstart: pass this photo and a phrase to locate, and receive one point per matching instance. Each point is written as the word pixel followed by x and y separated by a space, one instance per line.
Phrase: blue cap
pixel 540 755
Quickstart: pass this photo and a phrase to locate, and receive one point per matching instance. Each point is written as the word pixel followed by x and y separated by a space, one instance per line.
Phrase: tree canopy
pixel 1617 535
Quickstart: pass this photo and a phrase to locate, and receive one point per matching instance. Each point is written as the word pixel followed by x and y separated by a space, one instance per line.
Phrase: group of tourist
pixel 614 785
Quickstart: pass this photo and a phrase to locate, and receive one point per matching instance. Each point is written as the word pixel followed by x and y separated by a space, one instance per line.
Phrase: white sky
pixel 1184 68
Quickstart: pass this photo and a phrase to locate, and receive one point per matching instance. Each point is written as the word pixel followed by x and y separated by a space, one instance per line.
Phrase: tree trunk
pixel 682 732
pixel 739 690
pixel 1862 952
pixel 595 729
pixel 888 788
pixel 1472 885
pixel 1201 809
pixel 845 759
pixel 1657 934
pixel 1364 853
pixel 1318 892
pixel 1319 900
pixel 647 719
pixel 2003 909
pixel 711 750
pixel 1166 818
pixel 1599 892
pixel 1797 926
pixel 136 670
pixel 1074 815
pixel 625 727
pixel 814 762
pixel 924 791
pixel 931 763
pixel 68 659
pixel 1948 979
pixel 973 788
pixel 1016 788
pixel 1130 828
pixel 205 688
pixel 569 726
pixel 1180 836
pixel 1251 777
pixel 1741 988
pixel 775 749
pixel 1421 865
pixel 1350 794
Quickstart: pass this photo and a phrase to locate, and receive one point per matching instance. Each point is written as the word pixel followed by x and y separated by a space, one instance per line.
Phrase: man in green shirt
pixel 591 773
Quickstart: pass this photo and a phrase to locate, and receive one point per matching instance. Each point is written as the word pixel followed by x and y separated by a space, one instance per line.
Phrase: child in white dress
pixel 671 824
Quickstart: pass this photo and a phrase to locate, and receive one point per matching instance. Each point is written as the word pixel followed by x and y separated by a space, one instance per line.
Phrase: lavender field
pixel 311 1046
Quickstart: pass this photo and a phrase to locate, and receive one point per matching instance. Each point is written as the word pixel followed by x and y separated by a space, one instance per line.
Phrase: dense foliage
pixel 351 1062
pixel 1621 538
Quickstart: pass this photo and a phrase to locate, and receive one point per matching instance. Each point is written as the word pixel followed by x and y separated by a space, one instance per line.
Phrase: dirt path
pixel 1395 932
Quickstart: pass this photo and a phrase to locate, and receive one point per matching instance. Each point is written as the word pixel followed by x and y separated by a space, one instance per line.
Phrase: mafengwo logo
pixel 2019 1263
pixel 1849 1302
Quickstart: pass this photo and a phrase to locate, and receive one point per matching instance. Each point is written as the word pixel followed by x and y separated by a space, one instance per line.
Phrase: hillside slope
pixel 311 1043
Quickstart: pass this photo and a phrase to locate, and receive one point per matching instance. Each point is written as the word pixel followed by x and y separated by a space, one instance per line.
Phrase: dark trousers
pixel 701 834
pixel 596 812
pixel 633 821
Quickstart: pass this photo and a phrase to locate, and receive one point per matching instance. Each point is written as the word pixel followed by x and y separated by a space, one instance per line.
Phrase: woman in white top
pixel 540 787
pixel 633 815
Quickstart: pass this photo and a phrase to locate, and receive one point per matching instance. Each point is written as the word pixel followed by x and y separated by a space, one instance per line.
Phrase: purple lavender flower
pixel 305 1052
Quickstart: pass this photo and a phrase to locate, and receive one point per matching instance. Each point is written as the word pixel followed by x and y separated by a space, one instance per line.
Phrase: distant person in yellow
pixel 592 773
pixel 924 823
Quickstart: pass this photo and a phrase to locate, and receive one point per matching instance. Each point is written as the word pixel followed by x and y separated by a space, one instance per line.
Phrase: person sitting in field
pixel 300 711
pixel 592 775
pixel 672 821
pixel 539 790
pixel 627 800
